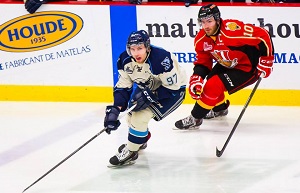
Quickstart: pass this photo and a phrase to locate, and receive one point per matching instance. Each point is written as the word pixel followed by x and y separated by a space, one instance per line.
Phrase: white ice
pixel 263 155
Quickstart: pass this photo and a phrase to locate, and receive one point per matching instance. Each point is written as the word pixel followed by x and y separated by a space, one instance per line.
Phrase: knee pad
pixel 213 91
pixel 139 120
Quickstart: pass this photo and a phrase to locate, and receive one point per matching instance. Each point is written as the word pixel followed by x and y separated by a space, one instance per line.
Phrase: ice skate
pixel 143 146
pixel 216 112
pixel 212 114
pixel 188 123
pixel 123 158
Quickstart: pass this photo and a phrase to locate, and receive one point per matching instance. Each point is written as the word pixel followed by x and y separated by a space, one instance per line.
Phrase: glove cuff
pixel 112 109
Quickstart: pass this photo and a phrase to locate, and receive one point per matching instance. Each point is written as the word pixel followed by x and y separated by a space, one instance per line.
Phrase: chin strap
pixel 217 30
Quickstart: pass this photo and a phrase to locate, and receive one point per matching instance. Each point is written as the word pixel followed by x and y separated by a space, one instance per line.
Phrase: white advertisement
pixel 69 47
pixel 175 31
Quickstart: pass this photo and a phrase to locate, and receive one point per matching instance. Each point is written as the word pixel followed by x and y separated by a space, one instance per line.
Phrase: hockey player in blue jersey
pixel 160 89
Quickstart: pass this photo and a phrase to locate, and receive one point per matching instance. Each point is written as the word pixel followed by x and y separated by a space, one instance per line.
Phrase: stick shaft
pixel 87 142
pixel 218 152
pixel 91 139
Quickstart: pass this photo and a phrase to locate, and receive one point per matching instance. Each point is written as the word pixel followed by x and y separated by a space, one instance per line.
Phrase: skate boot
pixel 212 114
pixel 216 112
pixel 124 157
pixel 143 146
pixel 188 123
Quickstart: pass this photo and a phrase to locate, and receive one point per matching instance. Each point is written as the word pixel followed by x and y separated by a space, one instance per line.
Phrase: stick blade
pixel 26 189
pixel 218 152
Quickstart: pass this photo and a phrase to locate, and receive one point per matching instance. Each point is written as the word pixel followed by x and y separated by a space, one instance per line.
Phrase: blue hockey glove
pixel 32 5
pixel 143 99
pixel 137 2
pixel 187 3
pixel 111 121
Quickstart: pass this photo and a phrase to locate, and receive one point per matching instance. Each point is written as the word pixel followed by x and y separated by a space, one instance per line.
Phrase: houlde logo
pixel 39 31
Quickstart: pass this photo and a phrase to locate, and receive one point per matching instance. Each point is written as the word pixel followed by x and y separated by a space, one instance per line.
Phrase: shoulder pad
pixel 160 60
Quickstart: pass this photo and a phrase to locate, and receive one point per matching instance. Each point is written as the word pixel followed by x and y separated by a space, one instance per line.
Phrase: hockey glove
pixel 143 99
pixel 137 2
pixel 265 66
pixel 187 3
pixel 195 86
pixel 111 121
pixel 32 5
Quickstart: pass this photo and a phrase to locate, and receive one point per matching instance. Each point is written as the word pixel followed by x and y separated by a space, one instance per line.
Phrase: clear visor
pixel 138 44
pixel 129 45
pixel 204 18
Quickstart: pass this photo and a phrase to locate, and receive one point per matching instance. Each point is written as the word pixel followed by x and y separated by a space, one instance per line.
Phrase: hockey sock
pixel 199 112
pixel 222 106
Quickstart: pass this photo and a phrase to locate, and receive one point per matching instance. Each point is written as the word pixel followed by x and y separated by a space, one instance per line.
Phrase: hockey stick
pixel 218 152
pixel 91 139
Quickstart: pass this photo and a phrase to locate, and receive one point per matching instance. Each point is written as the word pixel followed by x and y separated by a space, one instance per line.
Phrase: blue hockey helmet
pixel 136 38
pixel 207 11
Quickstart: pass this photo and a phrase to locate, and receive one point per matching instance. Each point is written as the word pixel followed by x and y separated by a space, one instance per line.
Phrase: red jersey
pixel 236 44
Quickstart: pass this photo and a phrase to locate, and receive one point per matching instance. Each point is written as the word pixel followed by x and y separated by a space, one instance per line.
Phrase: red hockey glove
pixel 265 66
pixel 195 87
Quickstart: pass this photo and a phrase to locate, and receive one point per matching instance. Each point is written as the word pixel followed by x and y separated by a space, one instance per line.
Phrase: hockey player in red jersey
pixel 242 52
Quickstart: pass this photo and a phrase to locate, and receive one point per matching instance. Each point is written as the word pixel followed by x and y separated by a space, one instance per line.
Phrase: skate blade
pixel 121 166
pixel 215 118
pixel 191 128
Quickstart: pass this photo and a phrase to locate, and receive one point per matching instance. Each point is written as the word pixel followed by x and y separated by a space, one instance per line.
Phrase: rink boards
pixel 67 52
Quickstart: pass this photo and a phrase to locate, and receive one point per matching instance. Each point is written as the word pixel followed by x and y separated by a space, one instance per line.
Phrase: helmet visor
pixel 205 17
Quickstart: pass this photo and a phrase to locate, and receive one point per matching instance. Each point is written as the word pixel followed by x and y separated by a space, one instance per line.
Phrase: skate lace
pixel 188 121
pixel 125 153
pixel 210 114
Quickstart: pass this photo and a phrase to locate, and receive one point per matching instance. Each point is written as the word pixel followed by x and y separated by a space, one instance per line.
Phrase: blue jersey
pixel 160 72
